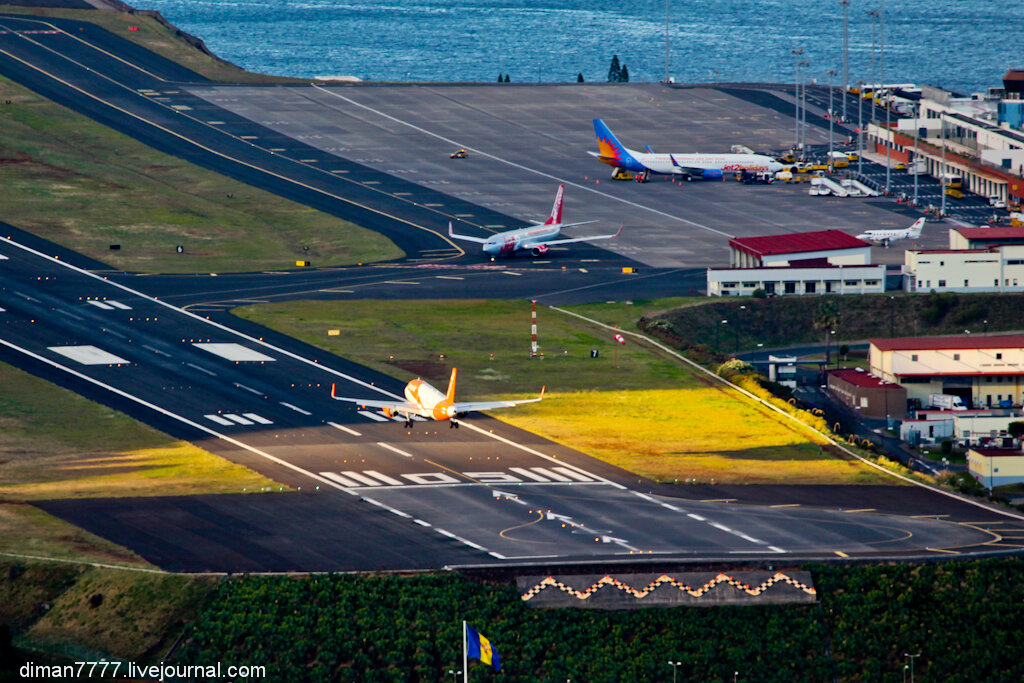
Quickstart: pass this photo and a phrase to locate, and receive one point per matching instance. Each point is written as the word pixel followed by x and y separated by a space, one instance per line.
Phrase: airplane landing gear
pixel 408 422
pixel 453 424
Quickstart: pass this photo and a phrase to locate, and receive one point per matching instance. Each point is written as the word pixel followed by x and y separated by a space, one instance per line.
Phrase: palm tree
pixel 826 318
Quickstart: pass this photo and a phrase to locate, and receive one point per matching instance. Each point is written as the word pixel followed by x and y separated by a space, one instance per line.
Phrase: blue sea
pixel 964 45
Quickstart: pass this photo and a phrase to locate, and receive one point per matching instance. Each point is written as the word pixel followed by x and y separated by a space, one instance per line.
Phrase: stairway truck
pixel 946 402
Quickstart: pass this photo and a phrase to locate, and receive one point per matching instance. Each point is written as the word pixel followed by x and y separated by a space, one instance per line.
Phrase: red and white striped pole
pixel 533 330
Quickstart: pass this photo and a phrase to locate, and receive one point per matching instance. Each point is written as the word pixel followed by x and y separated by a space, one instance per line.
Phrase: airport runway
pixel 485 493
pixel 373 494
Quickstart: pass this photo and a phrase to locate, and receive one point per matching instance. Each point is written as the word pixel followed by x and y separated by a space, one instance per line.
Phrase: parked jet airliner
pixel 886 236
pixel 426 401
pixel 615 154
pixel 535 238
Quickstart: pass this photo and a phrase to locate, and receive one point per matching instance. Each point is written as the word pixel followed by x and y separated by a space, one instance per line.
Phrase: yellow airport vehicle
pixel 852 156
pixel 620 174
pixel 459 154
pixel 954 193
pixel 900 166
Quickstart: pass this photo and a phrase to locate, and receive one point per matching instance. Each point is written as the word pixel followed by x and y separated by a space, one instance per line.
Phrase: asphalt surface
pixel 483 493
pixel 374 494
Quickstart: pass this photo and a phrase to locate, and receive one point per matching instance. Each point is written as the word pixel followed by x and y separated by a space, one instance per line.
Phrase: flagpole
pixel 465 659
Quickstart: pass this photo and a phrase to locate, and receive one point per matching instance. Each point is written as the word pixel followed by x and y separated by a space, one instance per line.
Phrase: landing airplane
pixel 886 236
pixel 535 238
pixel 711 166
pixel 426 401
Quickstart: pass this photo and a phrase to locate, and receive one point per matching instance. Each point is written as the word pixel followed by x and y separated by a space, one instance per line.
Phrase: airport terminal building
pixel 978 138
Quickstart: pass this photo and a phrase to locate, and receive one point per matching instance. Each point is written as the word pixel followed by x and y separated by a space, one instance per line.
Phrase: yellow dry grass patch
pixel 177 469
pixel 700 433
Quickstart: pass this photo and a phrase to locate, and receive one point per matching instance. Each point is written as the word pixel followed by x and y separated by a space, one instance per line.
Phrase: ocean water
pixel 964 45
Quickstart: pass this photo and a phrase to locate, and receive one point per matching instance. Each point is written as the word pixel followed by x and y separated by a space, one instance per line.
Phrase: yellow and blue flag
pixel 480 648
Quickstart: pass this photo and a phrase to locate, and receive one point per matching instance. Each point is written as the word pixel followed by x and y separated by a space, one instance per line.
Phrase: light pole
pixel 846 51
pixel 912 658
pixel 881 74
pixel 917 130
pixel 674 665
pixel 796 95
pixel 455 674
pixel 666 41
pixel 860 128
pixel 942 134
pixel 831 113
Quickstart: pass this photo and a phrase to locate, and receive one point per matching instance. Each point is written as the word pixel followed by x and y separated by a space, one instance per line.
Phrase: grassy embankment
pixel 631 406
pixel 56 444
pixel 85 186
pixel 788 320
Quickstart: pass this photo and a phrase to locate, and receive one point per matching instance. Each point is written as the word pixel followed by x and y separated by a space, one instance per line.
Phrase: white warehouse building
pixel 995 269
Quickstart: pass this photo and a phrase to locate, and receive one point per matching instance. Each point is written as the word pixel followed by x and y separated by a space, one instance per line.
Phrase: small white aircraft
pixel 426 401
pixel 618 156
pixel 535 238
pixel 886 236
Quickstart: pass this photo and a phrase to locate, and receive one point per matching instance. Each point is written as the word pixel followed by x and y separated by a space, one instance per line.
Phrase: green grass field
pixel 633 406
pixel 80 184
pixel 57 444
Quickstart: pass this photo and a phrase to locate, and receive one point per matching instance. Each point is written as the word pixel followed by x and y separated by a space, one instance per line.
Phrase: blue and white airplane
pixel 534 238
pixel 711 166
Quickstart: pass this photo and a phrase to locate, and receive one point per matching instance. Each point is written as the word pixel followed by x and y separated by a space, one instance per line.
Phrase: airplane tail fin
pixel 332 390
pixel 556 210
pixel 451 387
pixel 915 229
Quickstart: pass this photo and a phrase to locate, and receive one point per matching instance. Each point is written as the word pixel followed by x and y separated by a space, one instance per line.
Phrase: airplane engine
pixel 539 250
pixel 388 412
pixel 712 174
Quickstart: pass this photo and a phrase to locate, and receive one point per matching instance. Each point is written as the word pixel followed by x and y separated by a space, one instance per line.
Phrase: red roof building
pixel 984 238
pixel 837 247
pixel 870 396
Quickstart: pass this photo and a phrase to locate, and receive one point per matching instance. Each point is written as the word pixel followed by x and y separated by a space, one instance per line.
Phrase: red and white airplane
pixel 535 238
pixel 426 401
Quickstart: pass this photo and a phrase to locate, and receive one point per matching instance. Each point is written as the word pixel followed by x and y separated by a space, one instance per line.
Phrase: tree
pixel 614 71
pixel 499 78
pixel 624 75
pixel 579 77
pixel 826 318
pixel 1015 429
pixel 844 351
pixel 507 79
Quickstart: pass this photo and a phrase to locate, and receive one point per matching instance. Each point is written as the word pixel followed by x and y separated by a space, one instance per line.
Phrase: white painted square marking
pixel 238 418
pixel 258 418
pixel 431 478
pixel 234 352
pixel 219 420
pixel 88 355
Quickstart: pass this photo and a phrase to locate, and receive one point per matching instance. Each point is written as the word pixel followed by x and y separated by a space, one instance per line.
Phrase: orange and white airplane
pixel 426 401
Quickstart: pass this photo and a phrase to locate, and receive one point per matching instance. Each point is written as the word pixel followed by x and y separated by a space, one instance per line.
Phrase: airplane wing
pixel 584 239
pixel 461 407
pixel 371 403
pixel 478 240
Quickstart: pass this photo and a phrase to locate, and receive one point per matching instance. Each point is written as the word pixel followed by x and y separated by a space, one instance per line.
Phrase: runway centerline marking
pixel 344 429
pixel 393 449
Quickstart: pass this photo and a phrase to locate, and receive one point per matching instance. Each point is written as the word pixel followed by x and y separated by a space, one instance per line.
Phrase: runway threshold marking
pixel 521 166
